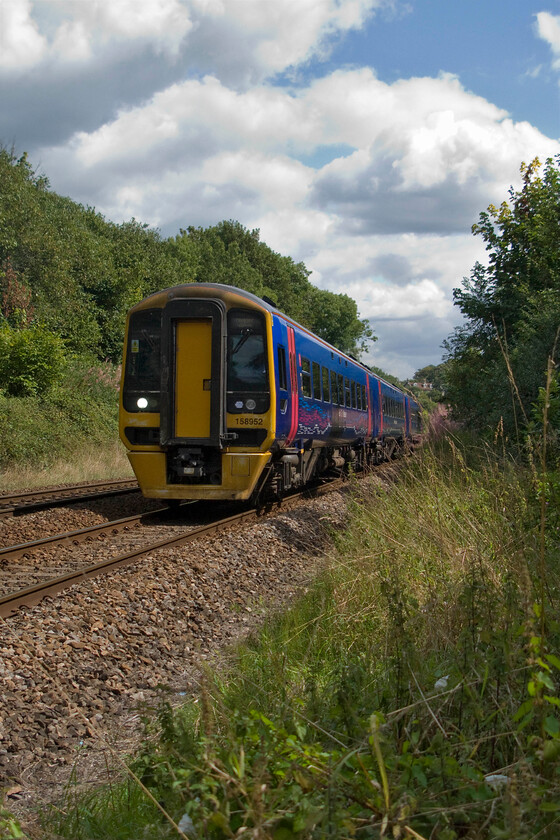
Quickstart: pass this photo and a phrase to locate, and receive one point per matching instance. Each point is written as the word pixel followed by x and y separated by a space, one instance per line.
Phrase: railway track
pixel 34 500
pixel 23 564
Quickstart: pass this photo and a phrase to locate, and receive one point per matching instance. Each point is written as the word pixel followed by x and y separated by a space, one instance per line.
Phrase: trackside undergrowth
pixel 411 692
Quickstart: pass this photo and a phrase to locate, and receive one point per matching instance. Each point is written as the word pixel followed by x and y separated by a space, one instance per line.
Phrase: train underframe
pixel 199 472
pixel 291 469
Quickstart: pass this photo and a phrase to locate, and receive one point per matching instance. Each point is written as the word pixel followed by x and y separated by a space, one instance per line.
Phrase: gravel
pixel 46 523
pixel 77 668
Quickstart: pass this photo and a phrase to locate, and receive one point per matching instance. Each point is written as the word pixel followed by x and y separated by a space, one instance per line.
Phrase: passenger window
pixel 334 388
pixel 306 377
pixel 347 393
pixel 325 375
pixel 316 381
pixel 282 377
pixel 340 389
pixel 354 401
pixel 364 398
pixel 359 396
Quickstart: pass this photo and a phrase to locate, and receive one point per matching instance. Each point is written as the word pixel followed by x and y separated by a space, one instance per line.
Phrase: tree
pixel 496 361
pixel 229 253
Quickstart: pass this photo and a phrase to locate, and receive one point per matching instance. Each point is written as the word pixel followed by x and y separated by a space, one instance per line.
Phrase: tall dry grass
pixel 86 464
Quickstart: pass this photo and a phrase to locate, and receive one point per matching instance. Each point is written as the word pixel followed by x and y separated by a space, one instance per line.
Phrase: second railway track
pixel 31 571
pixel 32 500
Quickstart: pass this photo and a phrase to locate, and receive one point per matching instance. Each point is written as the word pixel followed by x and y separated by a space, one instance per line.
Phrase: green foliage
pixel 10 829
pixel 78 274
pixel 334 317
pixel 388 377
pixel 436 374
pixel 82 405
pixel 83 272
pixel 31 360
pixel 229 253
pixel 497 359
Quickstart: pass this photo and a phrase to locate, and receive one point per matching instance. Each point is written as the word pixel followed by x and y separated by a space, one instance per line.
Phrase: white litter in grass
pixel 186 825
pixel 496 780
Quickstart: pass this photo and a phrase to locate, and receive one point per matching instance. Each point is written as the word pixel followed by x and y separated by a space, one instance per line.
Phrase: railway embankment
pixel 408 686
pixel 409 689
pixel 80 669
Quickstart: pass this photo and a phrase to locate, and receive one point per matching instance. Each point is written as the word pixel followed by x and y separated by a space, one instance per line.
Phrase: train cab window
pixel 247 369
pixel 325 375
pixel 247 372
pixel 340 389
pixel 334 388
pixel 282 376
pixel 306 378
pixel 316 381
pixel 141 390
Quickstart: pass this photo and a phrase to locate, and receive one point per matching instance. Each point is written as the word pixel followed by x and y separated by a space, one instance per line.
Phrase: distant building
pixel 422 386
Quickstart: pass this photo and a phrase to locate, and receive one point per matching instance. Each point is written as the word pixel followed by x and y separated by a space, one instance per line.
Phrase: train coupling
pixel 194 464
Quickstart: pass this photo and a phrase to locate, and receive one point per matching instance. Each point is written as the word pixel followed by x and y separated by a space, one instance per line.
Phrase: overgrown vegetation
pixel 412 692
pixel 497 360
pixel 77 411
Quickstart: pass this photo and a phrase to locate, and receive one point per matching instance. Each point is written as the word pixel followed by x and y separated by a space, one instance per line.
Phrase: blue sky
pixel 490 45
pixel 362 137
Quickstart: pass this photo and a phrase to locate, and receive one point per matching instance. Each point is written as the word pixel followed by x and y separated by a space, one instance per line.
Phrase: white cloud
pixel 236 38
pixel 63 31
pixel 21 44
pixel 548 28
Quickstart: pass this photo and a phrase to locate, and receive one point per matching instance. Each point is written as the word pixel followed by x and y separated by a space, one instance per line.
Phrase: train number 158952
pixel 251 420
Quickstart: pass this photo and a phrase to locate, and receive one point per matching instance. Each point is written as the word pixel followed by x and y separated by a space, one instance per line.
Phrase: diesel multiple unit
pixel 224 397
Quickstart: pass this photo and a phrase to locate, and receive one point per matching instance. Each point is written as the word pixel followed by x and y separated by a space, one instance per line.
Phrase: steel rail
pixel 31 595
pixel 33 500
pixel 12 552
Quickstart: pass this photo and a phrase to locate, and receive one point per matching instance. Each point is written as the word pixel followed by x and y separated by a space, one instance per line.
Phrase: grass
pixel 412 692
pixel 85 464
pixel 67 434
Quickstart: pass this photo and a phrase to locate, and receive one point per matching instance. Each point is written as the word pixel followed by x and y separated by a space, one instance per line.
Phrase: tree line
pixel 502 362
pixel 68 277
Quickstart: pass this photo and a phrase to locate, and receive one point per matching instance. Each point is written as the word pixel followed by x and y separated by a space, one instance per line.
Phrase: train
pixel 224 397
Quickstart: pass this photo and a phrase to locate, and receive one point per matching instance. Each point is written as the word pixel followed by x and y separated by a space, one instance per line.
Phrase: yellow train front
pixel 197 407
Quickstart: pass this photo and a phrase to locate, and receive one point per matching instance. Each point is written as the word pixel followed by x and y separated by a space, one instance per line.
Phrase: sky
pixel 361 137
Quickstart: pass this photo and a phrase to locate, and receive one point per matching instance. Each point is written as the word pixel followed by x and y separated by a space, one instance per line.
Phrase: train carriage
pixel 224 397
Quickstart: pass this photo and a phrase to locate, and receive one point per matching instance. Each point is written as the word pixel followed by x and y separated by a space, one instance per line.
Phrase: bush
pixel 80 407
pixel 31 360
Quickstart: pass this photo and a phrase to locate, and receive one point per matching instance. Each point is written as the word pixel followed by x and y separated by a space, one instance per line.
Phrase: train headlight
pixel 142 402
pixel 251 404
